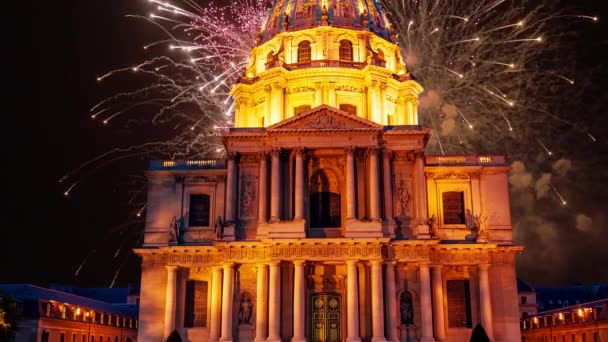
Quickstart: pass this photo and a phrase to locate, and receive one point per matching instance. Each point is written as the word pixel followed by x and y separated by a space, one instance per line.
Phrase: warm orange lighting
pixel 78 311
pixel 561 316
pixel 580 312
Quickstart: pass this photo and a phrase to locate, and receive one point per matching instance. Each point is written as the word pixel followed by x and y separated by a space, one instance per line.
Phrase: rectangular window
pixel 45 336
pixel 195 311
pixel 300 109
pixel 73 337
pixel 459 304
pixel 524 299
pixel 350 109
pixel 62 337
pixel 84 338
pixel 453 207
pixel 199 210
pixel 596 337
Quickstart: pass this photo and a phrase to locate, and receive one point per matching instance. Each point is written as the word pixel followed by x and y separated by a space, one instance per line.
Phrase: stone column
pixel 377 302
pixel 216 304
pixel 352 304
pixel 230 188
pixel 484 300
pixel 318 94
pixel 350 183
pixel 374 188
pixel 275 184
pixel 170 299
pixel 421 205
pixel 390 301
pixel 263 190
pixel 425 304
pixel 332 94
pixel 382 99
pixel 299 190
pixel 261 314
pixel 299 302
pixel 227 294
pixel 438 313
pixel 274 302
pixel 388 191
pixel 268 104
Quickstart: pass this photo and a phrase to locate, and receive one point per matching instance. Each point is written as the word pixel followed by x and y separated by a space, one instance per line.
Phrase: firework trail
pixel 492 71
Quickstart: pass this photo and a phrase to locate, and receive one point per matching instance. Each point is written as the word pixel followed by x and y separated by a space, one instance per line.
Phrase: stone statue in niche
pixel 406 309
pixel 404 196
pixel 174 230
pixel 245 310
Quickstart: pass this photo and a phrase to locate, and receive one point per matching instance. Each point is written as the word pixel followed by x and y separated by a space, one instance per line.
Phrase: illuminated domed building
pixel 327 222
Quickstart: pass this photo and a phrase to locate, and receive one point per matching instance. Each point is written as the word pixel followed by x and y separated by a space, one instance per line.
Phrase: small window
pixel 351 109
pixel 406 308
pixel 346 50
pixel 524 299
pixel 62 337
pixel 300 109
pixel 45 336
pixel 304 51
pixel 199 210
pixel 453 207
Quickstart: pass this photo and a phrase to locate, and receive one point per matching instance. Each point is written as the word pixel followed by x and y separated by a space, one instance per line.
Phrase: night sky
pixel 47 235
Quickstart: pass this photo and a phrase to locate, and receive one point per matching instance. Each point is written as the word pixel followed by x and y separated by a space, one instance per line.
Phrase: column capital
pixel 276 151
pixel 350 149
pixel 172 268
pixel 372 150
pixel 484 267
pixel 390 263
pixel 299 151
pixel 227 265
pixel 299 262
pixel 267 88
pixel 260 265
pixel 351 262
pixel 436 267
pixel 387 153
pixel 263 155
pixel 274 263
pixel 376 262
pixel 231 155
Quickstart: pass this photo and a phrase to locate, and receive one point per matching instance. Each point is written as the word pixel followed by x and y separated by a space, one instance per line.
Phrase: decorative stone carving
pixel 403 196
pixel 323 121
pixel 350 88
pixel 248 158
pixel 297 90
pixel 249 185
pixel 481 224
pixel 245 309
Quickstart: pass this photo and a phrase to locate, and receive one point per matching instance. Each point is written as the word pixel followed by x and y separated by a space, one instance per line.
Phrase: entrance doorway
pixel 325 322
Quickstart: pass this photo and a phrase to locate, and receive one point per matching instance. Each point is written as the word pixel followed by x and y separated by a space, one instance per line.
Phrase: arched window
pixel 304 51
pixel 346 50
pixel 406 308
pixel 324 201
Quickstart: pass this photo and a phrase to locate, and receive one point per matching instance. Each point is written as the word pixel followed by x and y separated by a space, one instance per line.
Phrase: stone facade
pixel 326 221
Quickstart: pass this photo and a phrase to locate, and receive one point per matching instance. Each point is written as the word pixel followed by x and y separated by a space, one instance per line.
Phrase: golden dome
pixel 295 15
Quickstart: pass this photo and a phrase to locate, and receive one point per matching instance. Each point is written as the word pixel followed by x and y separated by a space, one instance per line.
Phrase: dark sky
pixel 48 235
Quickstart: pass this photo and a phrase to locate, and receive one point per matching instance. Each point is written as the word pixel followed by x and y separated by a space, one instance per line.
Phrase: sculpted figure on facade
pixel 245 310
pixel 404 196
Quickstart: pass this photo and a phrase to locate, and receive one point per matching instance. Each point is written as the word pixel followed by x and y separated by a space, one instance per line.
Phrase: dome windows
pixel 346 50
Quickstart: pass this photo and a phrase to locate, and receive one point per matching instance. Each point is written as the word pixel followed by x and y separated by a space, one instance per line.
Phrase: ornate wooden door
pixel 325 308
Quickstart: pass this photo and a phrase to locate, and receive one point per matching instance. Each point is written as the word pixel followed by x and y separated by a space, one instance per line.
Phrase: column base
pixel 353 339
pixel 379 339
pixel 298 339
pixel 427 339
pixel 273 339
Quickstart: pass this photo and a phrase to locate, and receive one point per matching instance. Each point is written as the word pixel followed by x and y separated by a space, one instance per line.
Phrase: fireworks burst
pixel 495 73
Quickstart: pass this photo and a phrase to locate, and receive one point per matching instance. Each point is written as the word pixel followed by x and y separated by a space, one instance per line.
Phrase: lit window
pixel 453 207
pixel 346 50
pixel 199 210
pixel 304 51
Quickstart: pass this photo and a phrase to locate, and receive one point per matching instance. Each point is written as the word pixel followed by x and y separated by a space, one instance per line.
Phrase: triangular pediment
pixel 324 118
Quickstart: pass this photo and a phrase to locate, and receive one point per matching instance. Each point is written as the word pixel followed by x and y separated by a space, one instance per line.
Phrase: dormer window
pixel 346 50
pixel 304 51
